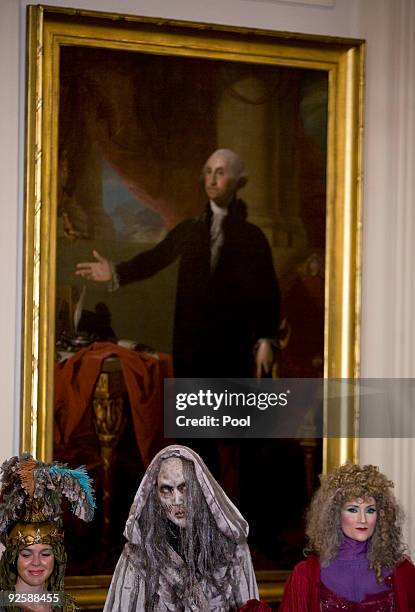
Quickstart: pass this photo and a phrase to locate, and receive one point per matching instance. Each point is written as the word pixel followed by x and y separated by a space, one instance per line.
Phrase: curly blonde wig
pixel 346 483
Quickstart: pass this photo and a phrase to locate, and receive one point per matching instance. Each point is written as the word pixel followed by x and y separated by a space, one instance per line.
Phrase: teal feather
pixel 81 475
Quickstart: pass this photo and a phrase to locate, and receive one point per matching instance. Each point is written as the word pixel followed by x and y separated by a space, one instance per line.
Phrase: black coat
pixel 220 315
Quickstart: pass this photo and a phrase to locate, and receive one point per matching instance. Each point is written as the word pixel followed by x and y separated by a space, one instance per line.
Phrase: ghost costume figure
pixel 186 543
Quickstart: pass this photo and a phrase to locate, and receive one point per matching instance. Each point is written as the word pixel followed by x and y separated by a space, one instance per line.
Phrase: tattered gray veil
pixel 127 590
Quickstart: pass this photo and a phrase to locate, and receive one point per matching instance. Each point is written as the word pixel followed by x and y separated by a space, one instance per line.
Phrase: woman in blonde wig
pixel 356 559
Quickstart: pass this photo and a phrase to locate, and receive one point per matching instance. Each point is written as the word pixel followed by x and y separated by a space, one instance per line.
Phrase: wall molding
pixel 388 322
pixel 403 173
pixel 303 3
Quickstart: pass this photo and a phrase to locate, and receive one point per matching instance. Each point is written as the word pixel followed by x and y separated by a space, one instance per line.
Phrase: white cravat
pixel 216 233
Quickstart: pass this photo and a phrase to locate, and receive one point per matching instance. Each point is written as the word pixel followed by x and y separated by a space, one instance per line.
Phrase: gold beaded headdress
pixel 27 534
pixel 31 500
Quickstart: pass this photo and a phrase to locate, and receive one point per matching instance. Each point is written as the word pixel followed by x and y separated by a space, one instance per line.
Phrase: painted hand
pixel 264 358
pixel 99 270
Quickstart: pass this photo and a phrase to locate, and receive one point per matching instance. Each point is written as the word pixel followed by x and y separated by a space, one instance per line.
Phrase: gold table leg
pixel 109 420
pixel 309 446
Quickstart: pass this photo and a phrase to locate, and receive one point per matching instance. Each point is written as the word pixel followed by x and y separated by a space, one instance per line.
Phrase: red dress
pixel 381 602
pixel 303 589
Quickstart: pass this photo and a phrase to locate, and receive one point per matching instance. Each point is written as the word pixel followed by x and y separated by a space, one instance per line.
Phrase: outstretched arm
pixel 142 266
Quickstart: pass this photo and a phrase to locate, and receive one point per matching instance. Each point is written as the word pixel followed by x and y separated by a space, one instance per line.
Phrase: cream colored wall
pixel 10 223
pixel 388 332
pixel 388 329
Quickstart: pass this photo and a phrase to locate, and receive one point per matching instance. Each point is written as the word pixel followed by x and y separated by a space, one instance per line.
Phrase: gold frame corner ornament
pixel 343 59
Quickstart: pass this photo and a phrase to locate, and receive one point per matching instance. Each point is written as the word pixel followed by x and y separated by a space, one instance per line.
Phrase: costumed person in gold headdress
pixel 186 547
pixel 32 566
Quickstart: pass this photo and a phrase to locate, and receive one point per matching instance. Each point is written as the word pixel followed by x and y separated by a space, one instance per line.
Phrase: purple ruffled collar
pixel 349 575
pixel 352 550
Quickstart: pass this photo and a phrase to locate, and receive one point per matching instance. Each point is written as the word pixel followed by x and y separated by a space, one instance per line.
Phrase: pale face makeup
pixel 34 566
pixel 358 518
pixel 171 489
pixel 219 182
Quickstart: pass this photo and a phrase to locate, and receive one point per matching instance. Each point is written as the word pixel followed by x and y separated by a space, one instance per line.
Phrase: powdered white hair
pixel 235 165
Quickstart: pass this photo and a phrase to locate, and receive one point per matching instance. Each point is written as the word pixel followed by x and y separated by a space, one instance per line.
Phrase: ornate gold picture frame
pixel 51 30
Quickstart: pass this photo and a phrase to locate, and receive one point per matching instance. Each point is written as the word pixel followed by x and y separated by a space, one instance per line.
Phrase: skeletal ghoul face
pixel 171 488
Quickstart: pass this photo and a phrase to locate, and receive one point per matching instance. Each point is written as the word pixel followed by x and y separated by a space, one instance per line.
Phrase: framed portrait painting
pixel 122 114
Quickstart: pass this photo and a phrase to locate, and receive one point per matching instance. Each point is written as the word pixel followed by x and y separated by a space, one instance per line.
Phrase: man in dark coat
pixel 227 301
